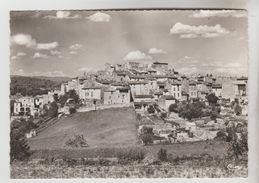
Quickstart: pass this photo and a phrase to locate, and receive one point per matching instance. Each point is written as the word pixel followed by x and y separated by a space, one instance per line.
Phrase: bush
pixel 78 141
pixel 212 99
pixel 19 147
pixel 221 135
pixel 173 108
pixel 162 155
pixel 151 109
pixel 147 138
pixel 130 155
pixel 72 110
pixel 213 115
pixel 163 115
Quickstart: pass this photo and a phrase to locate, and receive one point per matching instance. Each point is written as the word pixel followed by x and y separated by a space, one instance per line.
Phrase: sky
pixel 68 43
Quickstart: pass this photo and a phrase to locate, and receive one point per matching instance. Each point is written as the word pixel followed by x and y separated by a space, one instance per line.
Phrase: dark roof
pixel 161 83
pixel 192 83
pixel 242 78
pixel 168 97
pixel 137 77
pixel 137 82
pixel 143 102
pixel 144 96
pixel 119 84
pixel 91 87
pixel 104 82
pixel 160 63
pixel 216 86
pixel 123 88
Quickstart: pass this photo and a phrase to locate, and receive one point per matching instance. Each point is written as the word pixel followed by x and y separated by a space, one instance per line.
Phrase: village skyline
pixel 69 43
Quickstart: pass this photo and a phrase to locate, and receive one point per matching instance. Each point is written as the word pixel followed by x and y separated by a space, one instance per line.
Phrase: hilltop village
pixel 170 107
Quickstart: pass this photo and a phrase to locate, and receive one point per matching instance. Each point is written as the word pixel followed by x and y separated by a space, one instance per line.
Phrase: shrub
pixel 147 138
pixel 163 115
pixel 212 99
pixel 173 108
pixel 78 141
pixel 221 135
pixel 130 156
pixel 19 147
pixel 151 109
pixel 162 155
pixel 213 115
pixel 72 110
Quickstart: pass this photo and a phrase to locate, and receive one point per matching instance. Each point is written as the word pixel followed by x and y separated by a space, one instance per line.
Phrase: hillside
pixel 105 128
pixel 34 85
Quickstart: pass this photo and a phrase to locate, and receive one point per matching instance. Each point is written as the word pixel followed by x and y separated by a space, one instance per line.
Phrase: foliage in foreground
pixel 19 149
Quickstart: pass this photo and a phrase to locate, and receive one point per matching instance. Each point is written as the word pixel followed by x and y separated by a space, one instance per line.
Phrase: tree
pixel 236 146
pixel 70 94
pixel 151 109
pixel 12 106
pixel 162 155
pixel 237 109
pixel 53 110
pixel 192 110
pixel 173 108
pixel 221 135
pixel 212 99
pixel 213 115
pixel 19 149
pixel 146 138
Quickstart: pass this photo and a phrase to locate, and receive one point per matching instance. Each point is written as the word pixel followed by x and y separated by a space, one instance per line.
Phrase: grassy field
pixel 104 128
pixel 164 170
pixel 212 148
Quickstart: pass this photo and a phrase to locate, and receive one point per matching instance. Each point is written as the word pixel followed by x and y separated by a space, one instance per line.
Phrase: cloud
pixel 23 40
pixel 137 55
pixel 218 13
pixel 188 60
pixel 55 52
pixel 75 46
pixel 47 46
pixel 13 57
pixel 40 55
pixel 48 73
pixel 156 51
pixel 88 69
pixel 99 17
pixel 21 54
pixel 73 52
pixel 188 70
pixel 29 42
pixel 205 31
pixel 63 15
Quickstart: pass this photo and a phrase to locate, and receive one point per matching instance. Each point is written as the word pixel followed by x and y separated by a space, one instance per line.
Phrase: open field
pixel 101 128
pixel 212 148
pixel 165 170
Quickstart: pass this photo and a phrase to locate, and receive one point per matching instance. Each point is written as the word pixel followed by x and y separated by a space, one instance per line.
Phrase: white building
pixel 217 89
pixel 176 90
